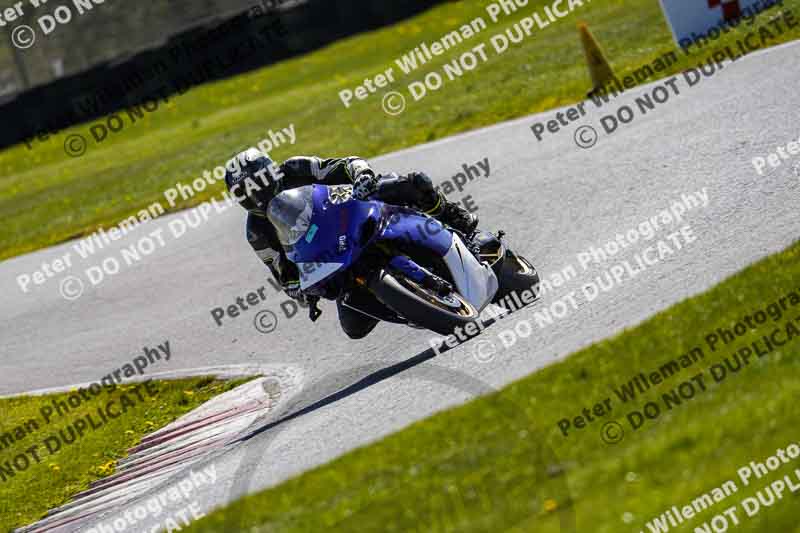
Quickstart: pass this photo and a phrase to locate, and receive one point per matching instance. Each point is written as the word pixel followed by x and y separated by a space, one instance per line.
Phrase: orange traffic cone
pixel 599 68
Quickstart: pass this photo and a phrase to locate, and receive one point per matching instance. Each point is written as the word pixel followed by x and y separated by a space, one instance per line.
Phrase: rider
pixel 254 179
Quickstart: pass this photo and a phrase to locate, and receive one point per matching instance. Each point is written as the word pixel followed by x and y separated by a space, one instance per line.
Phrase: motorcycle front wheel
pixel 423 307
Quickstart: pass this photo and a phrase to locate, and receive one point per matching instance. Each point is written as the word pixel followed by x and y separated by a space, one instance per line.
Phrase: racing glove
pixel 292 289
pixel 365 186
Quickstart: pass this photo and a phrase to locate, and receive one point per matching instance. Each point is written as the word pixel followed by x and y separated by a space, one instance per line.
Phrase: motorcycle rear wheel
pixel 516 275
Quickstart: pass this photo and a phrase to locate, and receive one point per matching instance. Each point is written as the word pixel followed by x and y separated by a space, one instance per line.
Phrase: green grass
pixel 44 485
pixel 500 463
pixel 47 197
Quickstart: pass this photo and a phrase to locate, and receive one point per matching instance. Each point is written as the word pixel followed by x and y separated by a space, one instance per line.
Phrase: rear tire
pixel 422 307
pixel 516 275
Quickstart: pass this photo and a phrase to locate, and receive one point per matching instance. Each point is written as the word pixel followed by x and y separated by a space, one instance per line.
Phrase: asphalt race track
pixel 553 198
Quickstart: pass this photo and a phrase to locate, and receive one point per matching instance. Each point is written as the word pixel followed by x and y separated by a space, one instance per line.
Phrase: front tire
pixel 421 306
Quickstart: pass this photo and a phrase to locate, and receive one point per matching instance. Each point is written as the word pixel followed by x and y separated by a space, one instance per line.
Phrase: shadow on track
pixel 373 378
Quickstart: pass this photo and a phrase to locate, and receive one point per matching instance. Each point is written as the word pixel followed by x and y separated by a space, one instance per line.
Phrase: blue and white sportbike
pixel 387 253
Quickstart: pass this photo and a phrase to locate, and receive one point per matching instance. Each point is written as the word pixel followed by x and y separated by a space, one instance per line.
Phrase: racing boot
pixel 455 216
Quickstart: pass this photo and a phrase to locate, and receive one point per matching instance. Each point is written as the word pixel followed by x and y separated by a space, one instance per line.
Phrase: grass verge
pixel 33 423
pixel 47 197
pixel 500 463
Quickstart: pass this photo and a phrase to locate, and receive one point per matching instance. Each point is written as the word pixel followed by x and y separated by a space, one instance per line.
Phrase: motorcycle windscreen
pixel 290 213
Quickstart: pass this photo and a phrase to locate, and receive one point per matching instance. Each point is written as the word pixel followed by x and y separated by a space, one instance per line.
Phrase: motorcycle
pixel 343 246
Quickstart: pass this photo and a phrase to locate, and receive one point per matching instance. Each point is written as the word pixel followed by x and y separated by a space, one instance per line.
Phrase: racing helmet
pixel 252 179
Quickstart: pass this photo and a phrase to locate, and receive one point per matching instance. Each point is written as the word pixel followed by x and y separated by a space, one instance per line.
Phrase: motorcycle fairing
pixel 338 230
pixel 406 225
pixel 312 274
pixel 336 240
pixel 475 281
